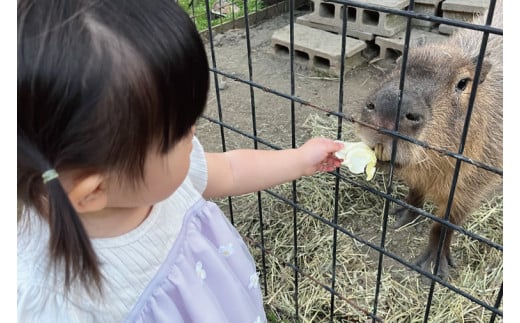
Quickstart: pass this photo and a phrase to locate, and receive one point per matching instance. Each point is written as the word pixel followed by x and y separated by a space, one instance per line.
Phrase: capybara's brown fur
pixel 438 83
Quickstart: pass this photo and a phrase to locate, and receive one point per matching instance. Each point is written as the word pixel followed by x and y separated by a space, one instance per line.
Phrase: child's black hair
pixel 99 84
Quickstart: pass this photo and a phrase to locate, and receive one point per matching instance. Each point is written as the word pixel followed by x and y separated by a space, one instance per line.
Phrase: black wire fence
pixel 294 103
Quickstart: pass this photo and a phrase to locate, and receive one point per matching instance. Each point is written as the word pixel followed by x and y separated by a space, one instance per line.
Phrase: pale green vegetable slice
pixel 359 158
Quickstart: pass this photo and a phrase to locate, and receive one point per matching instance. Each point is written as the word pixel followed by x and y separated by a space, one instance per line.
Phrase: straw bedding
pixel 402 293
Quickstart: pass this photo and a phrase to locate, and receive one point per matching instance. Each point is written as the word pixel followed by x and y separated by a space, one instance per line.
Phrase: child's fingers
pixel 333 146
pixel 330 163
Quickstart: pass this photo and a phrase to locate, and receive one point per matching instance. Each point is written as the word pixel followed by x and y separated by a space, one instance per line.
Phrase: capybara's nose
pixel 383 106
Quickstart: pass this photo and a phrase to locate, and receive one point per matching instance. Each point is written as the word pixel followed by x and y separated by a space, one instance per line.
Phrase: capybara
pixel 435 99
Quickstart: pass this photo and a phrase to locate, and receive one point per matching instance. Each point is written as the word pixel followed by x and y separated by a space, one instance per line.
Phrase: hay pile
pixel 402 294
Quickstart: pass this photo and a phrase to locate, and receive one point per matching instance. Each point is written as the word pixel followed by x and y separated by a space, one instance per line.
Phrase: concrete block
pixel 381 23
pixel 361 20
pixel 330 14
pixel 468 6
pixel 393 47
pixel 305 20
pixel 318 49
pixel 426 7
pixel 463 10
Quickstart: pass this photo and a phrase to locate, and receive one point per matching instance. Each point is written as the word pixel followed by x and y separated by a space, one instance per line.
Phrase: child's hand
pixel 318 155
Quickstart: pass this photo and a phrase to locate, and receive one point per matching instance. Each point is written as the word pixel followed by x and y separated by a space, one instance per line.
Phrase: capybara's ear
pixel 486 66
pixel 419 41
pixel 398 61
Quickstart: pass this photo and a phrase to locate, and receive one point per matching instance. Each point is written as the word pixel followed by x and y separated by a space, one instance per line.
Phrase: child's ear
pixel 89 194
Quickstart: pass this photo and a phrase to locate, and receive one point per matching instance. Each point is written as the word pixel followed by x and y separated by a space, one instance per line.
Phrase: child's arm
pixel 244 171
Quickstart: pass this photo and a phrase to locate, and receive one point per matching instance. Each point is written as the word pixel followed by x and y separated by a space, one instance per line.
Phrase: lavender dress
pixel 184 263
pixel 208 276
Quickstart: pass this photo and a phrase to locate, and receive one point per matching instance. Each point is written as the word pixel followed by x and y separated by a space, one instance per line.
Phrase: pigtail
pixel 69 240
pixel 69 245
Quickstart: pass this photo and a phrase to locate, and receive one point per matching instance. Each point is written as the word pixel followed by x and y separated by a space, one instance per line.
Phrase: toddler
pixel 114 224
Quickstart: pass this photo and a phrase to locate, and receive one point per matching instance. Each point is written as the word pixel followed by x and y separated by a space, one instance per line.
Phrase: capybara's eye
pixel 461 86
pixel 370 106
pixel 414 117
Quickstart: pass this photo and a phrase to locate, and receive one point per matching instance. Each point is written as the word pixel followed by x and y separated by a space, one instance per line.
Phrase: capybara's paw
pixel 426 261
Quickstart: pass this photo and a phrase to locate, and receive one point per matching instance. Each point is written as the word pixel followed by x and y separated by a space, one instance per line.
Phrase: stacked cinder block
pixel 307 20
pixel 463 10
pixel 320 50
pixel 361 23
pixel 317 36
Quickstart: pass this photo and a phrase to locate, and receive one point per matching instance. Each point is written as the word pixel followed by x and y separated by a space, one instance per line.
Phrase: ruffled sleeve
pixel 198 172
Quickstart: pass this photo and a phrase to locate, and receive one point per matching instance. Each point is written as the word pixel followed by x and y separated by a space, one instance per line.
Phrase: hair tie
pixel 49 175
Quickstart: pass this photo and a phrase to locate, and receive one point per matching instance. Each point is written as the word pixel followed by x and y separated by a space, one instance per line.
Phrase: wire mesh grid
pixel 289 226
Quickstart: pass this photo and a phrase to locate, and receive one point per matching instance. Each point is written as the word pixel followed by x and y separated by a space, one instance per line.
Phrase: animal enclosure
pixel 324 245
